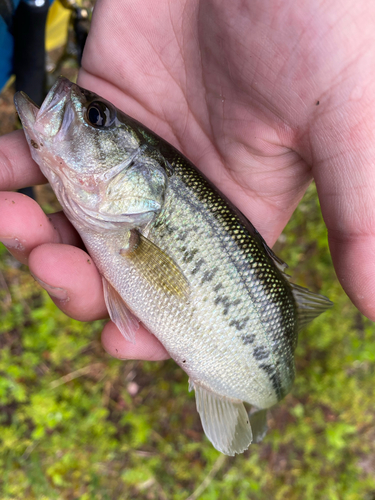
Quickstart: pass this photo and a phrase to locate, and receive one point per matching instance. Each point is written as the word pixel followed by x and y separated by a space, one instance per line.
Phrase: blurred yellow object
pixel 57 26
pixel 8 83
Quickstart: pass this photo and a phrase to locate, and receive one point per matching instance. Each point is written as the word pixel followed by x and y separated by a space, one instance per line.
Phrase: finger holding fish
pixel 34 238
pixel 67 273
pixel 24 226
pixel 17 168
pixel 46 244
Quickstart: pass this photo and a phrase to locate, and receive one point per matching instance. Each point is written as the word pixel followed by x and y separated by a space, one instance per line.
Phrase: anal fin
pixel 225 421
pixel 125 320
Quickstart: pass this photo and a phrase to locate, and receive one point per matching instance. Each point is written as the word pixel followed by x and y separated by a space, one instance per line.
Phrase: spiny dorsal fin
pixel 125 320
pixel 225 421
pixel 279 263
pixel 156 266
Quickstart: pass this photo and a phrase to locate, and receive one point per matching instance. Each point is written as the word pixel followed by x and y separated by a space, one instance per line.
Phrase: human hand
pixel 235 87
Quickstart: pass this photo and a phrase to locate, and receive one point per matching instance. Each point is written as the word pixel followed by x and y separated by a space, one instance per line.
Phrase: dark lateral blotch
pixel 248 339
pixel 260 353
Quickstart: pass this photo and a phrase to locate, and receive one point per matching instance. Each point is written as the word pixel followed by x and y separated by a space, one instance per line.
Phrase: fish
pixel 175 254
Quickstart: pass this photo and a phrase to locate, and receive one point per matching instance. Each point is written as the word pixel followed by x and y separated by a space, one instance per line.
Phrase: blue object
pixel 6 49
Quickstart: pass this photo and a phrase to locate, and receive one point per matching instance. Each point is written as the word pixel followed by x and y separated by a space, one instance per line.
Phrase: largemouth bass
pixel 176 255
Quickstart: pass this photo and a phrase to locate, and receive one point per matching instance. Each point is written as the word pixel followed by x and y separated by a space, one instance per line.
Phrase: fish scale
pixel 175 254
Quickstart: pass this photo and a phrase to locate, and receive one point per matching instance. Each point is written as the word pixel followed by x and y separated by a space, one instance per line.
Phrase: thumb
pixel 344 171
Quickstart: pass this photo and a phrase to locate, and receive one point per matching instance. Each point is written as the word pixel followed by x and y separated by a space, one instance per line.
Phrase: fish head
pixel 92 157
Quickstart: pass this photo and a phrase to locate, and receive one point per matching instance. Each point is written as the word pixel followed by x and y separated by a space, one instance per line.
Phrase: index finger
pixel 17 168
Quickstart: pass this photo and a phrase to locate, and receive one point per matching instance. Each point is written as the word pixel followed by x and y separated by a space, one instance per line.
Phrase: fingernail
pixel 55 291
pixel 12 243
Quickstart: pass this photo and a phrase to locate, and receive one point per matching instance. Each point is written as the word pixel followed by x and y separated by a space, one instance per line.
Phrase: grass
pixel 76 424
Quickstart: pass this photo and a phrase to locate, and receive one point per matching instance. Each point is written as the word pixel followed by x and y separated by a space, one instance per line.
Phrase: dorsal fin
pixel 279 263
pixel 309 304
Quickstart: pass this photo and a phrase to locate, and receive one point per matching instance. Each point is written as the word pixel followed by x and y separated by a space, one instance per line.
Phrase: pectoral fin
pixel 225 422
pixel 125 321
pixel 156 266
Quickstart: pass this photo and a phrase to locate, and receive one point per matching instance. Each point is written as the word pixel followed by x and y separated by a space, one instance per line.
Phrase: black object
pixel 29 25
pixel 81 30
pixel 6 12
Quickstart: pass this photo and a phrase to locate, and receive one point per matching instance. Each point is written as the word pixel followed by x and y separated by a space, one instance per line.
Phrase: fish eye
pixel 100 115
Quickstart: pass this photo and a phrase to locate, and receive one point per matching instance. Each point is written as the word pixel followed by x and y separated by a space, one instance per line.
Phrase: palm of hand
pixel 193 83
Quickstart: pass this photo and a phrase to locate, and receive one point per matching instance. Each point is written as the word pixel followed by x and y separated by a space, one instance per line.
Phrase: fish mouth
pixel 26 109
pixel 47 119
